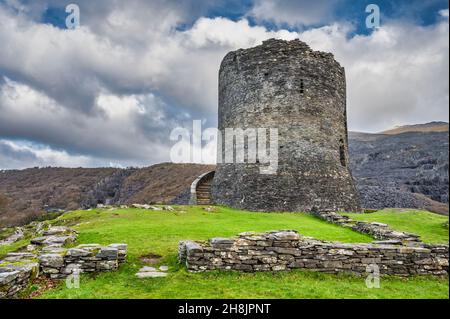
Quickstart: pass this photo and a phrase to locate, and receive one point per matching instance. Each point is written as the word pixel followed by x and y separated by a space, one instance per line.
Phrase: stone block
pixel 77 252
pixel 288 235
pixel 107 265
pixel 193 247
pixel 279 267
pixel 51 260
pixel 108 253
pixel 7 277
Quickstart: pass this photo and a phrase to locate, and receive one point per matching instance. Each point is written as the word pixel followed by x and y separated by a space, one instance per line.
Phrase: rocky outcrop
pixel 408 169
pixel 286 250
pixel 108 190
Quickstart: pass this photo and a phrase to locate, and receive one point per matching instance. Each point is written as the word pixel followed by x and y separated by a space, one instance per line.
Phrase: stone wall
pixel 285 250
pixel 58 263
pixel 286 86
pixel 46 256
pixel 377 230
pixel 17 235
pixel 16 277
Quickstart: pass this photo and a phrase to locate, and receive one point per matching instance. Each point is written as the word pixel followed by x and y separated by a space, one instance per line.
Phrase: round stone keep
pixel 285 85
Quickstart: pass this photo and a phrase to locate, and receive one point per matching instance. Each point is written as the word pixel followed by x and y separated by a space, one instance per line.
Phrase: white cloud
pixel 14 155
pixel 397 75
pixel 112 90
pixel 444 13
pixel 115 133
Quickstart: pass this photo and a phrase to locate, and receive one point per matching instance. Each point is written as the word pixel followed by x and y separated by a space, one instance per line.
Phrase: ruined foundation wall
pixel 58 263
pixel 285 250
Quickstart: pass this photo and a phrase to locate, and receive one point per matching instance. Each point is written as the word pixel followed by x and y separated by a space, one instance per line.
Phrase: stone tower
pixel 285 85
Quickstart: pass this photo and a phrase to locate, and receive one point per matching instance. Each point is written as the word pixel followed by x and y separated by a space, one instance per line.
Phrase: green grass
pixel 13 247
pixel 429 226
pixel 294 285
pixel 6 232
pixel 159 232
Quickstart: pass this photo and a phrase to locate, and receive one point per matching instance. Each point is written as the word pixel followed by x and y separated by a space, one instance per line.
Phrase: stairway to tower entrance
pixel 201 190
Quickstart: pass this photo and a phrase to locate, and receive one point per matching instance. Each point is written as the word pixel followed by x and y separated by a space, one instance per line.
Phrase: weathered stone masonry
pixel 58 263
pixel 377 230
pixel 284 250
pixel 15 278
pixel 47 256
pixel 301 92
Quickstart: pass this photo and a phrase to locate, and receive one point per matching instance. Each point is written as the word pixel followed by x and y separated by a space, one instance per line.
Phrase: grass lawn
pixel 429 226
pixel 158 232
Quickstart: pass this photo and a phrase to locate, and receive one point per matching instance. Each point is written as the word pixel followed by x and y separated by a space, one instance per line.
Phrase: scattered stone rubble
pixel 56 236
pixel 382 231
pixel 47 256
pixel 139 206
pixel 377 230
pixel 285 250
pixel 150 207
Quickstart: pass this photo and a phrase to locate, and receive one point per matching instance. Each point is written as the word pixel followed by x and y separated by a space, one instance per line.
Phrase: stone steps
pixel 203 197
pixel 201 190
pixel 204 192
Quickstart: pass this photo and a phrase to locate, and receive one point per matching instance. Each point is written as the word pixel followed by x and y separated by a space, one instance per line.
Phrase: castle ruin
pixel 302 93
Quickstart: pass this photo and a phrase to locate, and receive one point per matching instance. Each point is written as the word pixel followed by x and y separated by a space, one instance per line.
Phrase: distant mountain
pixel 403 167
pixel 428 127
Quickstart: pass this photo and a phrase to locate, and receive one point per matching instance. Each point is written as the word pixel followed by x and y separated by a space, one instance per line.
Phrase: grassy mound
pixel 151 233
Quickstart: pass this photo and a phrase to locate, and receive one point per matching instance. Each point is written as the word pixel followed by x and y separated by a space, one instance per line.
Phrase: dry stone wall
pixel 377 230
pixel 46 256
pixel 285 250
pixel 58 263
pixel 16 277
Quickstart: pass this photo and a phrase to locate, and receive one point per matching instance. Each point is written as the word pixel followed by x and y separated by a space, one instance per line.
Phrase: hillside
pixel 424 128
pixel 405 169
pixel 26 194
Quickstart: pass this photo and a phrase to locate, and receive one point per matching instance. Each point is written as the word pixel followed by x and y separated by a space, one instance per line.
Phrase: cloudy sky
pixel 110 92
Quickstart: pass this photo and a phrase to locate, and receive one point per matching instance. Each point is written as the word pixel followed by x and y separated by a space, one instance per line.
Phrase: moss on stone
pixel 6 232
pixel 18 263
